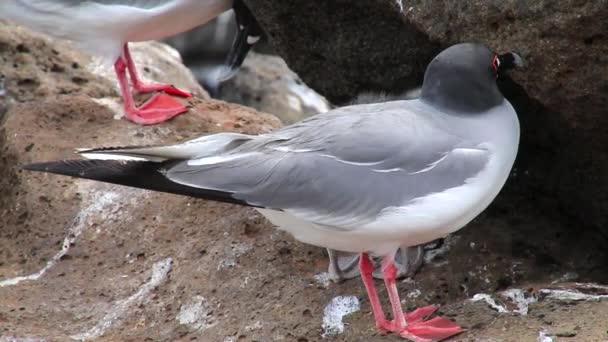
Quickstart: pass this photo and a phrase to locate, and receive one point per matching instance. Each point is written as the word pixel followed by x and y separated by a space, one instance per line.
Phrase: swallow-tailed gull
pixel 104 28
pixel 365 178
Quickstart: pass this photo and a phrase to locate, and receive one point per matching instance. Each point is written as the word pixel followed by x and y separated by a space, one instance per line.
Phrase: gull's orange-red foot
pixel 433 330
pixel 167 88
pixel 420 314
pixel 159 108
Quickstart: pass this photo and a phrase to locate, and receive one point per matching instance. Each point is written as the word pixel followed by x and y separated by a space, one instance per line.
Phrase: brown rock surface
pixel 264 82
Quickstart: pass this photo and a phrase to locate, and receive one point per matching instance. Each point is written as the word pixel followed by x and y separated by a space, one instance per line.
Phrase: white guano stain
pixel 571 295
pixel 517 297
pixel 544 336
pixel 490 301
pixel 102 205
pixel 520 299
pixel 335 311
pixel 119 309
pixel 196 314
pixel 323 279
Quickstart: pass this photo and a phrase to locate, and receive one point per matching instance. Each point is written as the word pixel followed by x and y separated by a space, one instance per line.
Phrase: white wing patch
pixel 219 159
pixel 349 162
pixel 396 169
pixel 431 165
pixel 105 156
pixel 288 149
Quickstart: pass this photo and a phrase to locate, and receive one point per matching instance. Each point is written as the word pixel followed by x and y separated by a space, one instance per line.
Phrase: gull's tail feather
pixel 197 148
pixel 147 175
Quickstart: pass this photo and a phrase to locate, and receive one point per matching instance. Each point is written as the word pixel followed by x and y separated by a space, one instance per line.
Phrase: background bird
pixel 365 178
pixel 104 28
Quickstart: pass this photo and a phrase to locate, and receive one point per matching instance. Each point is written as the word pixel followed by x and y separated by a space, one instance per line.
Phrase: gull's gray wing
pixel 342 168
pixel 96 26
pixel 49 6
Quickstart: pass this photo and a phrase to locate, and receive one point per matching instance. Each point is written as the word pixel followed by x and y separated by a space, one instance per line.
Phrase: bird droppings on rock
pixel 490 301
pixel 520 299
pixel 323 279
pixel 334 313
pixel 231 254
pixel 119 309
pixel 255 326
pixel 544 336
pixel 101 204
pixel 571 295
pixel 514 301
pixel 20 339
pixel 413 294
pixel 197 314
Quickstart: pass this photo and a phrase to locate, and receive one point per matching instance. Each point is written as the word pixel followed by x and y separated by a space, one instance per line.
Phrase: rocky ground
pixel 81 260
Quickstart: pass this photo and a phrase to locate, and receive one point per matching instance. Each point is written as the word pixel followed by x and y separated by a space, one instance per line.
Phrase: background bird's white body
pixel 102 28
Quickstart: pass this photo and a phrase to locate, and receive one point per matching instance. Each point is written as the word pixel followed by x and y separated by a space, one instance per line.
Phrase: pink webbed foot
pixel 421 314
pixel 141 87
pixel 435 329
pixel 159 108
pixel 419 329
pixel 414 326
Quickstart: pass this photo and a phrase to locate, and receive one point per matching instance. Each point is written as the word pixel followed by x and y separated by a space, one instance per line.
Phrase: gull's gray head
pixel 462 78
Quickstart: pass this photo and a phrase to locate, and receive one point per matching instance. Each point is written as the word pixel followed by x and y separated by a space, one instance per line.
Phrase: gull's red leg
pixel 389 273
pixel 159 108
pixel 367 268
pixel 413 325
pixel 142 87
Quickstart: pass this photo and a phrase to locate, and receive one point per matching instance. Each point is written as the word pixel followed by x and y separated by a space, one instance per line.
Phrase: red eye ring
pixel 495 63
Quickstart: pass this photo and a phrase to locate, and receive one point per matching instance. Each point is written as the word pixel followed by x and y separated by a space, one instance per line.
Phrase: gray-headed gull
pixel 365 178
pixel 104 28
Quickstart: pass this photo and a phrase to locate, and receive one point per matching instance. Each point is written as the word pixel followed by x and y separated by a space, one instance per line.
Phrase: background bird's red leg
pixel 159 108
pixel 142 87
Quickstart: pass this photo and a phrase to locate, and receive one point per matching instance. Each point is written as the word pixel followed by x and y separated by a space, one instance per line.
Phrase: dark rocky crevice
pixel 342 48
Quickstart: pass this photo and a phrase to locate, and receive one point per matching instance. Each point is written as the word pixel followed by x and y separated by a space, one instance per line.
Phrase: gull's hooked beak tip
pixel 507 61
pixel 518 61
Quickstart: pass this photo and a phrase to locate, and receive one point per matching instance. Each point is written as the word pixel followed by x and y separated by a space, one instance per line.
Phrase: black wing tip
pixel 111 148
pixel 43 166
pixel 133 173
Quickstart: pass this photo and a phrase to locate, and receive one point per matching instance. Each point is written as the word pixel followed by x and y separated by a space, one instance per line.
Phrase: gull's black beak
pixel 248 33
pixel 508 61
